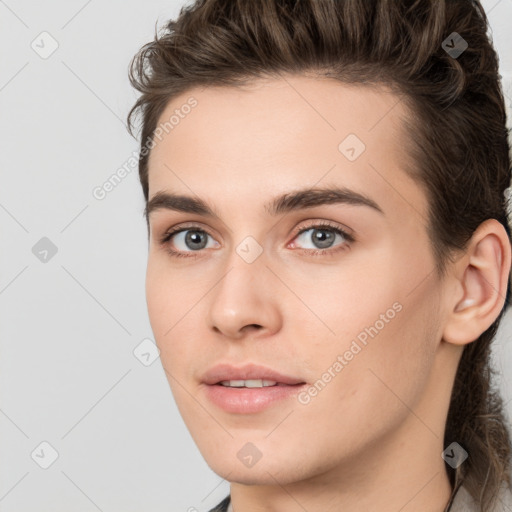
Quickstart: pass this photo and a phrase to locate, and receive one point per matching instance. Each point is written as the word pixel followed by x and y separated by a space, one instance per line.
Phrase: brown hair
pixel 459 149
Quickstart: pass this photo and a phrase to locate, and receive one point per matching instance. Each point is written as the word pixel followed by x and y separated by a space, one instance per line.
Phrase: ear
pixel 480 284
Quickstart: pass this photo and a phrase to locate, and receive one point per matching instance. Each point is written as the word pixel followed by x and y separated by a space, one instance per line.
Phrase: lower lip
pixel 250 400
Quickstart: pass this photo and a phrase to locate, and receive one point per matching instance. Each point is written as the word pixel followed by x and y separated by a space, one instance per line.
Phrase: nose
pixel 245 300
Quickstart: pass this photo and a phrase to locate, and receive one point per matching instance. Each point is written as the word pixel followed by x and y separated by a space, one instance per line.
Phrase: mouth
pixel 248 389
pixel 252 383
pixel 249 375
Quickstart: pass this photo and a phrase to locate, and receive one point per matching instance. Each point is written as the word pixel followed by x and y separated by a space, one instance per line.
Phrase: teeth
pixel 253 383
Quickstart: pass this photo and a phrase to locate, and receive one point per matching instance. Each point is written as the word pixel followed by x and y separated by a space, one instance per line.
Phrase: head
pixel 352 121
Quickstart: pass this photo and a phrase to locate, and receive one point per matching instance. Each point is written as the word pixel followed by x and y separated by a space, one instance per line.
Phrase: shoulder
pixel 222 506
pixel 504 500
pixel 463 501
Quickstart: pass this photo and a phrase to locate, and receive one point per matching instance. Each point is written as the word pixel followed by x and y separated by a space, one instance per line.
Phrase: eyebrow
pixel 292 201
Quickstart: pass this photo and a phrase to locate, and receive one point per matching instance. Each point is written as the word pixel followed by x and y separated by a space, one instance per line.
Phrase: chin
pixel 248 476
pixel 267 471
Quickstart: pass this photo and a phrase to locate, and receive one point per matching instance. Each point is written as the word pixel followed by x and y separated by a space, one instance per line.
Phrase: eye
pixel 191 239
pixel 322 236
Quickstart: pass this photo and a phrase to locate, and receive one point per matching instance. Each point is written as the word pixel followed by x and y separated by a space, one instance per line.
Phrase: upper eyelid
pixel 183 227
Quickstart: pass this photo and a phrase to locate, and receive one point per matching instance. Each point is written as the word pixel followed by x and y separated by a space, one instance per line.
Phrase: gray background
pixel 70 323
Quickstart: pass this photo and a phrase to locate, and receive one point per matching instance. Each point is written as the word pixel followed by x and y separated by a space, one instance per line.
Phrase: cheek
pixel 401 356
pixel 382 341
pixel 165 302
pixel 339 305
pixel 158 299
pixel 175 313
pixel 167 297
pixel 366 398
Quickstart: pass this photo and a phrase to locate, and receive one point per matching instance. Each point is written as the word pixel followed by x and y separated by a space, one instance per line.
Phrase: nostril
pixel 250 327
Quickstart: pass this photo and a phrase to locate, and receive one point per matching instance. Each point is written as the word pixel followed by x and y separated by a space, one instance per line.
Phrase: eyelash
pixel 349 239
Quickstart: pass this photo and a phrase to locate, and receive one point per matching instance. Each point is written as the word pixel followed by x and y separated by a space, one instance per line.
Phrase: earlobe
pixel 483 275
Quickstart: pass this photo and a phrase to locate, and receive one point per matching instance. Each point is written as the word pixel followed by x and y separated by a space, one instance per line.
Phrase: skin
pixel 372 438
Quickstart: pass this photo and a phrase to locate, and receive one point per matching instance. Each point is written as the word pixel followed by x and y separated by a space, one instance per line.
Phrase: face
pixel 331 295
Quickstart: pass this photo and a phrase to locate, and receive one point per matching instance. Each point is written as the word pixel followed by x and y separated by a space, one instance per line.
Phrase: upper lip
pixel 223 372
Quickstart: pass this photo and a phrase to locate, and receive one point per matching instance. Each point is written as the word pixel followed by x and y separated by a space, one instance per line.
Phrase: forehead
pixel 279 133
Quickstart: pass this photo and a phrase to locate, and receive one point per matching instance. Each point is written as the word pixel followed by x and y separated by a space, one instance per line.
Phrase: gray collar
pixel 463 502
